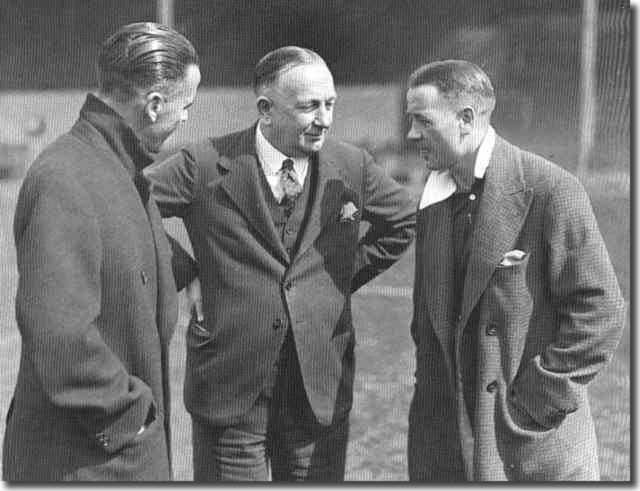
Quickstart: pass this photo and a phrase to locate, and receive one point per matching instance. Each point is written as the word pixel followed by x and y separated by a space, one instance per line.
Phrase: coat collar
pixel 120 137
pixel 242 184
pixel 503 207
pixel 502 210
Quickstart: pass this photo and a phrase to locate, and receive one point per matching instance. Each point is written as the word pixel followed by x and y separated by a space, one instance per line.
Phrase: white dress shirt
pixel 271 160
pixel 440 184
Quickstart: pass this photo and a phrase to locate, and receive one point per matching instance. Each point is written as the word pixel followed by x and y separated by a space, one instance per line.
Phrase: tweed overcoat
pixel 545 327
pixel 96 307
pixel 252 289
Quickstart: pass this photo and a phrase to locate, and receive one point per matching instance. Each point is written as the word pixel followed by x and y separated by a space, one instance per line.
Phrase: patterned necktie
pixel 290 184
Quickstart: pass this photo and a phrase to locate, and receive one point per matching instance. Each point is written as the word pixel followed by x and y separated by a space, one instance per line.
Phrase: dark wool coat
pixel 96 307
pixel 250 285
pixel 545 327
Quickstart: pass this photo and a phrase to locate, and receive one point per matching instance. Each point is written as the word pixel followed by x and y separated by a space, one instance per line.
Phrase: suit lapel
pixel 503 208
pixel 326 198
pixel 242 185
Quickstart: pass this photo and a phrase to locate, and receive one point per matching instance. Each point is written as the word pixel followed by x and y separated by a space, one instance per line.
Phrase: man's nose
pixel 324 116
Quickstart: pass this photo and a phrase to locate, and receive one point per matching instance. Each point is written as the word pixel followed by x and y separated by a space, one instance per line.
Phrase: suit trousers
pixel 278 439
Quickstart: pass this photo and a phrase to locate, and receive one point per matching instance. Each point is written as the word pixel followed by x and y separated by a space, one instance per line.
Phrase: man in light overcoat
pixel 516 304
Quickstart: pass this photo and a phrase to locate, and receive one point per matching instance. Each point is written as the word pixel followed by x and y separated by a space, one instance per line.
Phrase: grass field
pixel 384 353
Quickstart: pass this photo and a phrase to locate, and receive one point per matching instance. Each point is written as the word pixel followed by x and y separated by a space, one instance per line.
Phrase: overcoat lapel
pixel 167 310
pixel 327 198
pixel 242 184
pixel 438 266
pixel 503 208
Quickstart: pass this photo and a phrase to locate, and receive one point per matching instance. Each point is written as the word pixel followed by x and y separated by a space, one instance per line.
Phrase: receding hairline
pixel 274 64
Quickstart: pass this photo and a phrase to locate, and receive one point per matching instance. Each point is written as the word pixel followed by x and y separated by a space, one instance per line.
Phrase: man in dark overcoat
pixel 96 303
pixel 516 304
pixel 273 213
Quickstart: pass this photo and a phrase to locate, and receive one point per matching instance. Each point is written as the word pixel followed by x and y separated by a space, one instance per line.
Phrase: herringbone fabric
pixel 542 329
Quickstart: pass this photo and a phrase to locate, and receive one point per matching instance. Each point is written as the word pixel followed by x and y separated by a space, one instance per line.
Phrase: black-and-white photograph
pixel 325 242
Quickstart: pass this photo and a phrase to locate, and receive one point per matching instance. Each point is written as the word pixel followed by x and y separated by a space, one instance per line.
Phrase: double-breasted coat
pixel 96 307
pixel 545 326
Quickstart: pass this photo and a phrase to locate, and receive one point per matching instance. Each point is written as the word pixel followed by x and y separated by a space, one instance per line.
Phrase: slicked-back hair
pixel 457 80
pixel 143 56
pixel 280 60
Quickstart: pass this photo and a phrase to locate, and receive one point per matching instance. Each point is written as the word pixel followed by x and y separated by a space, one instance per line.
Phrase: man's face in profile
pixel 435 127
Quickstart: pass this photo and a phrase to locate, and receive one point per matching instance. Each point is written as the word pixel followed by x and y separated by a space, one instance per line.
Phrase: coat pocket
pixel 529 451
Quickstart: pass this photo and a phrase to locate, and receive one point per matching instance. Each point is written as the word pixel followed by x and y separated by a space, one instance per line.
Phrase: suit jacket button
pixel 492 386
pixel 277 324
pixel 492 330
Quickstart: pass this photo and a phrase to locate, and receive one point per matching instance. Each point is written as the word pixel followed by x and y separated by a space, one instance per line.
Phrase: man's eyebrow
pixel 188 105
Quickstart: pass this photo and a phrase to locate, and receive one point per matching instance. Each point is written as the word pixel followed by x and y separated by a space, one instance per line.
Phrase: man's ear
pixel 154 104
pixel 467 117
pixel 264 108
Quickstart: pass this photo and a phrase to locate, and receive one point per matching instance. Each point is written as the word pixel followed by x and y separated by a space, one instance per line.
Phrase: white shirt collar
pixel 271 159
pixel 440 185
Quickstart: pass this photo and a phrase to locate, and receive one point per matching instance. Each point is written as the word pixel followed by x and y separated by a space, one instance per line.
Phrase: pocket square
pixel 513 257
pixel 349 212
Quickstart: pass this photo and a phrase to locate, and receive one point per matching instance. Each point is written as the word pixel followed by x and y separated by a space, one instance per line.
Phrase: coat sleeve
pixel 391 213
pixel 59 258
pixel 185 268
pixel 173 183
pixel 589 305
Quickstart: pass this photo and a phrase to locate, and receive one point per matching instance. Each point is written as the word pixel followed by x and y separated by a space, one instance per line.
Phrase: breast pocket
pixel 509 296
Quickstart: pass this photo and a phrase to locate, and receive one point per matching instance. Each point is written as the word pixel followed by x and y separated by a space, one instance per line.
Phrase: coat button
pixel 492 386
pixel 491 330
pixel 103 440
pixel 277 324
pixel 289 231
pixel 144 277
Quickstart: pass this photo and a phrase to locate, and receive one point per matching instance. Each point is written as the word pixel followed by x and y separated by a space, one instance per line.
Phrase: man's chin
pixel 314 146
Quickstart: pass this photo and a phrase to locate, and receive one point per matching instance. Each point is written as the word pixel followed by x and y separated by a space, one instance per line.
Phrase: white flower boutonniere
pixel 349 212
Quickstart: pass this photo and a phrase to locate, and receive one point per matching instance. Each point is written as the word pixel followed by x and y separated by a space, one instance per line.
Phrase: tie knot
pixel 287 165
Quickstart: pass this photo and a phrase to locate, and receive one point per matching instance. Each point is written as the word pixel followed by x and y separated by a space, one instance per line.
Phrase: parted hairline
pixel 143 56
pixel 281 60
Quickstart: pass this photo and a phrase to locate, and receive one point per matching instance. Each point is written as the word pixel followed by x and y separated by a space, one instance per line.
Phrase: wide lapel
pixel 437 266
pixel 503 208
pixel 242 184
pixel 330 187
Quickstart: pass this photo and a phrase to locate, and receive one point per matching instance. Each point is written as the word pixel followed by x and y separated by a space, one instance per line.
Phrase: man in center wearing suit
pixel 273 213
pixel 516 304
